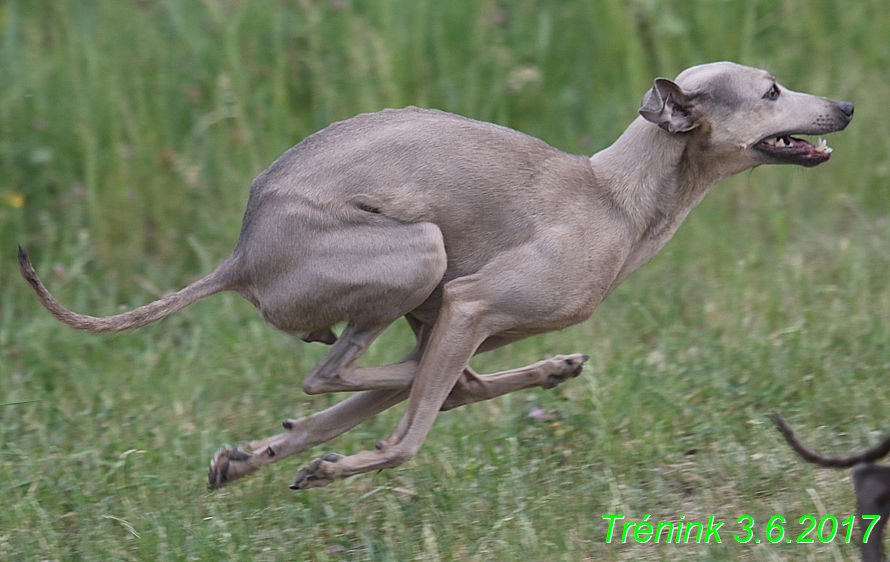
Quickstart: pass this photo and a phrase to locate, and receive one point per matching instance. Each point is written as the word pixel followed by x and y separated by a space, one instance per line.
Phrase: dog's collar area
pixel 795 150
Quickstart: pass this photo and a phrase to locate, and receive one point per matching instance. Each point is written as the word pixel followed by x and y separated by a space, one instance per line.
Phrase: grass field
pixel 129 134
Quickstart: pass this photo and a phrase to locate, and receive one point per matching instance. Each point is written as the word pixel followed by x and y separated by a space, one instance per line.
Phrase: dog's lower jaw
pixel 787 149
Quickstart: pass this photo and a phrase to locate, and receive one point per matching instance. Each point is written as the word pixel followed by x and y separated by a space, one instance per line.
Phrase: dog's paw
pixel 229 464
pixel 564 367
pixel 319 472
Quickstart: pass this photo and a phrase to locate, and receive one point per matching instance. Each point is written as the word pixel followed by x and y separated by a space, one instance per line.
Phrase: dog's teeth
pixel 781 143
pixel 822 146
pixel 771 142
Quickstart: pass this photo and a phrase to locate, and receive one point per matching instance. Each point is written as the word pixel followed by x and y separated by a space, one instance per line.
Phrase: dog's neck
pixel 651 177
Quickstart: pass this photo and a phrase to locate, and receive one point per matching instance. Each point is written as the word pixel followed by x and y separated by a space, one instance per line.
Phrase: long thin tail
pixel 219 280
pixel 871 454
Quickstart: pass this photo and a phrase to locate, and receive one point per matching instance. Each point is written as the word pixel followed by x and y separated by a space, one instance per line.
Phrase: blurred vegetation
pixel 129 133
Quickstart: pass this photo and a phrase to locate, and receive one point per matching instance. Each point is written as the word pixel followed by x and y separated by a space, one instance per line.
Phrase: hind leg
pixel 369 272
pixel 548 373
pixel 365 273
pixel 336 372
pixel 369 275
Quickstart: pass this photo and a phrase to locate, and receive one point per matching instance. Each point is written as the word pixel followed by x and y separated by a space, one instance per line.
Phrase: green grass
pixel 129 133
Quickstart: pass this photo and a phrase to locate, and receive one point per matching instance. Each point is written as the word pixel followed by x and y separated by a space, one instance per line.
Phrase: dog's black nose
pixel 846 108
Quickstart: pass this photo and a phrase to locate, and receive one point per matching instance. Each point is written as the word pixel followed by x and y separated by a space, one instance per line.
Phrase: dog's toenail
pixel 287 424
pixel 585 357
pixel 270 452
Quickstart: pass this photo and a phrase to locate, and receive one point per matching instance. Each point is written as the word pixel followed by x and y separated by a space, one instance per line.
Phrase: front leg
pixel 232 463
pixel 461 327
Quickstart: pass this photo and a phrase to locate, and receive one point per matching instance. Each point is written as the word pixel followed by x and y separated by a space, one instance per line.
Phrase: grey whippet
pixel 479 235
pixel 871 483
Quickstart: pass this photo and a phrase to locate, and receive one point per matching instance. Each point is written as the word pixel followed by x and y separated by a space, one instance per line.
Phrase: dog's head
pixel 732 108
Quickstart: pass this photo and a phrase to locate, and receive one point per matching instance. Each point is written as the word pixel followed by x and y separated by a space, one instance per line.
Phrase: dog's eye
pixel 773 93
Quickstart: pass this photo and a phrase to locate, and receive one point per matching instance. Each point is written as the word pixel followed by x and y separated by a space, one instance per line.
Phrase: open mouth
pixel 793 150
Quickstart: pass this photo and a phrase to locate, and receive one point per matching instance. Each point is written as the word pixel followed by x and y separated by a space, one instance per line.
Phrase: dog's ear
pixel 668 106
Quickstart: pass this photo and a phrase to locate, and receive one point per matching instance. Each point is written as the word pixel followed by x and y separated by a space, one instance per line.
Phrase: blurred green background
pixel 129 133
